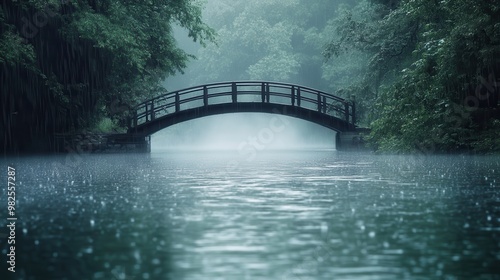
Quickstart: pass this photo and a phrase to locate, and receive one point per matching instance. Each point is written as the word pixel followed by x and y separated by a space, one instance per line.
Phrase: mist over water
pixel 283 215
pixel 244 132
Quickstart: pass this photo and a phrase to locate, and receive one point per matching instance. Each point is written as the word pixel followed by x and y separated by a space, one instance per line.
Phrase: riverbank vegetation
pixel 424 74
pixel 434 70
pixel 68 66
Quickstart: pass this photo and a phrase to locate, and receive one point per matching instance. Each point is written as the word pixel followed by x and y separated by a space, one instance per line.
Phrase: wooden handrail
pixel 299 96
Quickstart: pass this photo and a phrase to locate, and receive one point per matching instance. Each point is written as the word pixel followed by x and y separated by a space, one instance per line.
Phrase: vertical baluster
pixel 319 101
pixel 263 92
pixel 298 96
pixel 293 95
pixel 324 104
pixel 234 90
pixel 177 105
pixel 205 96
pixel 147 111
pixel 267 92
pixel 153 110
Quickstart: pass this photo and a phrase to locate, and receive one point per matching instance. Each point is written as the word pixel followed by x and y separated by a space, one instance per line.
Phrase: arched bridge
pixel 249 96
pixel 309 104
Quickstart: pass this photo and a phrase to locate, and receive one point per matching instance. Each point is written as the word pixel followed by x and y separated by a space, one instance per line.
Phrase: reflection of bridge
pixel 297 101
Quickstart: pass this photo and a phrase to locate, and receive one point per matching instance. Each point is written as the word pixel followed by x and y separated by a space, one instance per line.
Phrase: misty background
pixel 231 132
pixel 423 74
pixel 257 40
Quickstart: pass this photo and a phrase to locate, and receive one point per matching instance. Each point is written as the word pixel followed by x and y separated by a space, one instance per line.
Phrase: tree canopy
pixel 68 64
pixel 433 65
pixel 412 66
pixel 424 74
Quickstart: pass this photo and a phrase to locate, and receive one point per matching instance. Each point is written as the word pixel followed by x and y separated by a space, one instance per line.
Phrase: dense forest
pixel 73 66
pixel 423 73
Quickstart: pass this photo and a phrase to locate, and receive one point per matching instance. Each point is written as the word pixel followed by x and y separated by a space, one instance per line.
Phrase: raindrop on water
pixel 137 255
pixel 88 250
pixel 324 227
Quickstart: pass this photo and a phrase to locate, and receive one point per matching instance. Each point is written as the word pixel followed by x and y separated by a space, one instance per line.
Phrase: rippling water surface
pixel 283 215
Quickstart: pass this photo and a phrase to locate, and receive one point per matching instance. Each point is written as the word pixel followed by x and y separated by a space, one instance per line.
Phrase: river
pixel 279 215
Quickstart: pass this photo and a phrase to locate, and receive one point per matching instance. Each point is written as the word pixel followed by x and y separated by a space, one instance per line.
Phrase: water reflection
pixel 309 215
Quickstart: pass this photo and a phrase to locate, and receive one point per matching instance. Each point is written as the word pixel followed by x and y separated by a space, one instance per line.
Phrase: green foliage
pixel 410 65
pixel 488 141
pixel 277 66
pixel 412 116
pixel 427 58
pixel 13 51
pixel 277 40
pixel 72 62
pixel 107 125
pixel 364 51
pixel 255 42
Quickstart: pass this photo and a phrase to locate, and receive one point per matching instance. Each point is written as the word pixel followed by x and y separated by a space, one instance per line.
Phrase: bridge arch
pixel 292 100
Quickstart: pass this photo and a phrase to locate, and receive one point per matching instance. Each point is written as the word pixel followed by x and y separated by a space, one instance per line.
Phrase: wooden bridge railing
pixel 244 91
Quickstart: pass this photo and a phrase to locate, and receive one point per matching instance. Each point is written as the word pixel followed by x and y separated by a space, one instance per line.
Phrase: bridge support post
pixel 346 108
pixel 351 140
pixel 205 96
pixel 177 105
pixel 298 96
pixel 324 104
pixel 263 92
pixel 319 102
pixel 139 145
pixel 234 91
pixel 268 93
pixel 153 111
